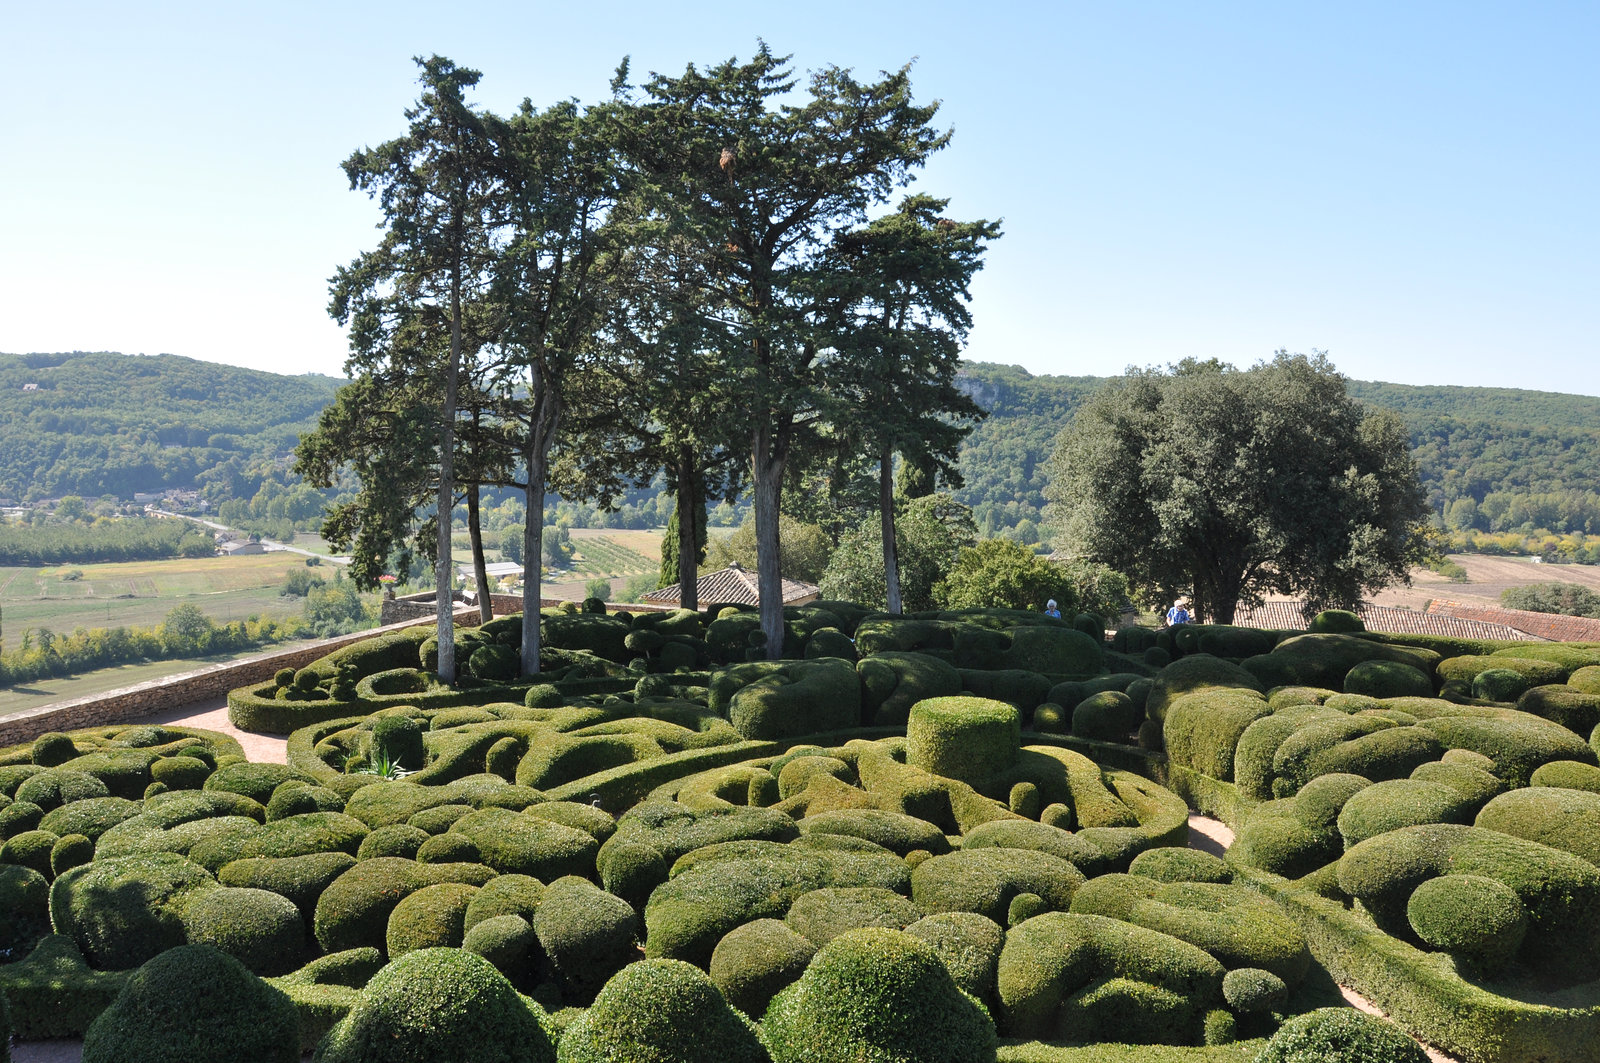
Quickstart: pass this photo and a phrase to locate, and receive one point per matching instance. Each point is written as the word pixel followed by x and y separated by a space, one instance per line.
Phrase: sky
pixel 1409 186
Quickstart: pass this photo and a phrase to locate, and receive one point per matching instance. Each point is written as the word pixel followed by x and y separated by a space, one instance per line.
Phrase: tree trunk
pixel 767 473
pixel 891 552
pixel 691 514
pixel 546 415
pixel 480 570
pixel 443 576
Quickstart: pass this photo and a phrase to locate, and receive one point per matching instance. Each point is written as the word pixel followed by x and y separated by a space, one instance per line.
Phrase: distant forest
pixel 1494 460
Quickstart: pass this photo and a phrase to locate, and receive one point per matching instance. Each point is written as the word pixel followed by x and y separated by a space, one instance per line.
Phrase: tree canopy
pixel 1233 484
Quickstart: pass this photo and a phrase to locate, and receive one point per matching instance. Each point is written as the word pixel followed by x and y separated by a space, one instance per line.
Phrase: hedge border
pixel 1427 999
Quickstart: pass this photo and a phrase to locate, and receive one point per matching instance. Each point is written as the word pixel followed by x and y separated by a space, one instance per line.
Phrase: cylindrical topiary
pixel 1340 1035
pixel 661 1011
pixel 877 994
pixel 971 739
pixel 195 1004
pixel 398 739
pixel 439 1004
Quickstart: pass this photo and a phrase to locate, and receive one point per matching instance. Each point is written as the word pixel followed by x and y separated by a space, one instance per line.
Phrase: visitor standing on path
pixel 1179 613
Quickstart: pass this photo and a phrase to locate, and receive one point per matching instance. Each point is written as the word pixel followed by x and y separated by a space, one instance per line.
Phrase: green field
pixel 608 552
pixel 142 593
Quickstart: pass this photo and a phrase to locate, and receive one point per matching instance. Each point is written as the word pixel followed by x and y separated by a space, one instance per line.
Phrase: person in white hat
pixel 1051 610
pixel 1179 613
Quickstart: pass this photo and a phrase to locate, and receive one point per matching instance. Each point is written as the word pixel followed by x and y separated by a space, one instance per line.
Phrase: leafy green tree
pixel 1000 573
pixel 929 533
pixel 758 182
pixel 599 587
pixel 900 288
pixel 511 542
pixel 186 632
pixel 673 554
pixel 805 549
pixel 1236 483
pixel 407 301
pixel 335 608
pixel 1569 599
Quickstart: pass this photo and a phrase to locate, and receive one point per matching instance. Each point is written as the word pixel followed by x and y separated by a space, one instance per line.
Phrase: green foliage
pixel 1340 1035
pixel 805 549
pixel 778 699
pixel 195 1004
pixel 353 911
pixel 822 915
pixel 970 739
pixel 985 880
pixel 999 573
pixel 929 533
pixel 1388 679
pixel 661 1011
pixel 877 996
pixel 1479 920
pixel 1124 484
pixel 432 917
pixel 588 935
pixel 122 911
pixel 1571 599
pixel 438 1004
pixel 752 963
pixel 260 929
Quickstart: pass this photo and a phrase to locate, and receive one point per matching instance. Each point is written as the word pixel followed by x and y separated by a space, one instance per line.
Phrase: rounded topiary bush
pixel 587 934
pixel 1568 775
pixel 877 995
pixel 180 773
pixel 53 749
pixel 260 929
pixel 32 849
pixel 971 739
pixel 753 962
pixel 1172 864
pixel 70 851
pixel 398 739
pixel 448 848
pixel 1336 622
pixel 1252 991
pixel 508 942
pixel 822 915
pixel 195 1004
pixel 1108 716
pixel 1480 920
pixel 1388 679
pixel 439 1004
pixel 1340 1035
pixel 1499 684
pixel 392 839
pixel 124 910
pixel 661 1011
pixel 432 917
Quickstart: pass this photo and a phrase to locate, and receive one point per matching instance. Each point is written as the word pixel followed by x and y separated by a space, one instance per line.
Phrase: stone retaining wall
pixel 212 681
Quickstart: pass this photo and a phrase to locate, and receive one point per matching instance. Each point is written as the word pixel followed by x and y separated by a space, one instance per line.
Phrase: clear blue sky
pixel 1408 186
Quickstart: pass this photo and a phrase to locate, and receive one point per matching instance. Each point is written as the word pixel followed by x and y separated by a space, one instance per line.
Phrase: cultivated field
pixel 142 593
pixel 1486 578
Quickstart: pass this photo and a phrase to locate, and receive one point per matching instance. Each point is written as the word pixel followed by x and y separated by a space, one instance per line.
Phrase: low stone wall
pixel 212 681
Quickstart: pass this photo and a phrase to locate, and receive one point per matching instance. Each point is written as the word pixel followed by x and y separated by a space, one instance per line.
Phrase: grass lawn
pixel 45 691
pixel 142 593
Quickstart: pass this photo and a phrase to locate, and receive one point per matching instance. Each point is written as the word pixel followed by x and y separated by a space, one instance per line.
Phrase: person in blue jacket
pixel 1051 610
pixel 1179 613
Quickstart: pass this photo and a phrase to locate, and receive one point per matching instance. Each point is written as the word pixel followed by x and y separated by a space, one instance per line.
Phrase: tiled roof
pixel 734 586
pixel 1552 626
pixel 1286 616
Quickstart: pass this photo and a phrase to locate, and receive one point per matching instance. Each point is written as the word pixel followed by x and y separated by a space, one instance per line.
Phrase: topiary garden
pixel 944 836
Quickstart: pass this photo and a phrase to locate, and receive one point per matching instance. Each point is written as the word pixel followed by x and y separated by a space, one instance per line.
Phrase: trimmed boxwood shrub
pixel 1100 979
pixel 1297 835
pixel 195 1004
pixel 1479 920
pixel 970 739
pixel 30 849
pixel 1388 679
pixel 392 839
pixel 54 993
pixel 1174 864
pixel 1560 818
pixel 1190 674
pixel 752 963
pixel 353 911
pixel 254 780
pixel 1108 716
pixel 300 879
pixel 1533 672
pixel 893 682
pixel 781 699
pixel 1570 707
pixel 1040 838
pixel 124 910
pixel 588 935
pixel 508 942
pixel 1499 684
pixel 513 843
pixel 985 881
pixel 894 831
pixel 879 995
pixel 505 895
pixel 968 944
pixel 1250 991
pixel 822 915
pixel 1397 803
pixel 19 816
pixel 70 851
pixel 262 930
pixel 58 786
pixel 1202 728
pixel 431 917
pixel 1560 891
pixel 313 832
pixel 24 907
pixel 1568 775
pixel 181 773
pixel 1340 1035
pixel 440 1004
pixel 661 1011
pixel 1516 742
